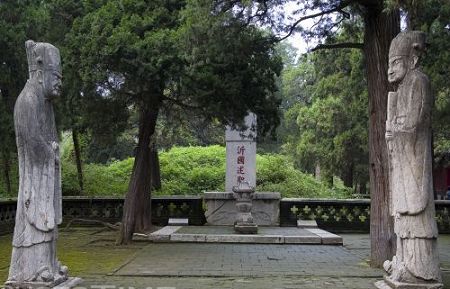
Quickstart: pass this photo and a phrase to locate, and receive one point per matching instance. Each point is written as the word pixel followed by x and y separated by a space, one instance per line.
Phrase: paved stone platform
pixel 232 260
pixel 226 234
pixel 92 255
pixel 258 266
pixel 272 282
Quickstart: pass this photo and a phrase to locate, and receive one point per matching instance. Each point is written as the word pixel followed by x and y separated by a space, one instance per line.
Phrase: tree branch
pixel 180 103
pixel 338 8
pixel 338 45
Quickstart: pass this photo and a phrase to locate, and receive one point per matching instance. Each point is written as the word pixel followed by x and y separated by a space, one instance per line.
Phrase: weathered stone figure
pixel 408 135
pixel 34 259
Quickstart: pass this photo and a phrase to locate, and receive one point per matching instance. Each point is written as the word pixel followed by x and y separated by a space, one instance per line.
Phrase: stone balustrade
pixel 333 215
pixel 110 209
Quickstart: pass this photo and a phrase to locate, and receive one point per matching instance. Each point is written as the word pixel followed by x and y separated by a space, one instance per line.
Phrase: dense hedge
pixel 192 170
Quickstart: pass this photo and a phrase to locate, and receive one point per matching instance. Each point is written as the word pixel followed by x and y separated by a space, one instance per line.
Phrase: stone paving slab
pixel 306 223
pixel 164 233
pixel 273 282
pixel 226 234
pixel 245 260
pixel 253 239
pixel 327 237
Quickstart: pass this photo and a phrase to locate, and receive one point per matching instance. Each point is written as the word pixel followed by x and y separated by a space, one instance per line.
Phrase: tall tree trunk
pixel 76 147
pixel 6 171
pixel 347 173
pixel 154 168
pixel 362 188
pixel 380 28
pixel 137 207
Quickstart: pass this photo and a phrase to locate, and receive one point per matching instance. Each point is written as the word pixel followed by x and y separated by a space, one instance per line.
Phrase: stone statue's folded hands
pixel 388 135
pixel 55 146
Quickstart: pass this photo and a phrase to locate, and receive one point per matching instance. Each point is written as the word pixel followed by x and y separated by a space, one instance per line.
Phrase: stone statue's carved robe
pixel 411 177
pixel 39 199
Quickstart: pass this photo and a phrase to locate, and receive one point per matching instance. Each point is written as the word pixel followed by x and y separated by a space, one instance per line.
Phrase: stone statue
pixel 408 136
pixel 34 260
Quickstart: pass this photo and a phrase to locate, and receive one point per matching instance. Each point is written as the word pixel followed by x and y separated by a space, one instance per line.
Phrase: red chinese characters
pixel 240 162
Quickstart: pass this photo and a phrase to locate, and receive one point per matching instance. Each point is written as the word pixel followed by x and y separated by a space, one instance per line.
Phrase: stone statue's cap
pixel 408 43
pixel 42 56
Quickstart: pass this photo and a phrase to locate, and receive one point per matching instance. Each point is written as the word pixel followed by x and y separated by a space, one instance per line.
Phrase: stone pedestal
pixel 68 283
pixel 221 208
pixel 244 223
pixel 388 283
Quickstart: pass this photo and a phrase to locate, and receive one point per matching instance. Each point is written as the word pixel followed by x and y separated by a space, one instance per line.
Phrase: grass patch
pixel 82 250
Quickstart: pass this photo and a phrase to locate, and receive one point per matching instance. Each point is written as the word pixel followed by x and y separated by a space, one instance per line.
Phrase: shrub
pixel 193 170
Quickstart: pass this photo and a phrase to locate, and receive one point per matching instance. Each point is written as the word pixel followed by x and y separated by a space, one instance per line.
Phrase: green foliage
pixel 99 180
pixel 19 21
pixel 276 173
pixel 193 170
pixel 436 65
pixel 432 17
pixel 231 66
pixel 170 53
pixel 326 121
pixel 14 178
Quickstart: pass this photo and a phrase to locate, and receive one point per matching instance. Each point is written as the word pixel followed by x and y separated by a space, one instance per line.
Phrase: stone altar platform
pixel 226 234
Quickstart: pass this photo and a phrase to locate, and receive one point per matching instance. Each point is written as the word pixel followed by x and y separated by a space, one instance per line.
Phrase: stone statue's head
pixel 44 65
pixel 404 53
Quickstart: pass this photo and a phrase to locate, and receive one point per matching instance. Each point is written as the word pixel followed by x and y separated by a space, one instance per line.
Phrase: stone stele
pixel 33 261
pixel 241 154
pixel 408 137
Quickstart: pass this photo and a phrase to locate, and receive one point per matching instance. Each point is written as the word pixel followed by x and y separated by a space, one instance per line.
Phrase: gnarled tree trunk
pixel 380 28
pixel 137 207
pixel 154 168
pixel 6 171
pixel 77 150
pixel 347 173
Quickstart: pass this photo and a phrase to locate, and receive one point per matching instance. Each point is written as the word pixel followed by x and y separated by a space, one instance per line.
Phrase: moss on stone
pixel 86 251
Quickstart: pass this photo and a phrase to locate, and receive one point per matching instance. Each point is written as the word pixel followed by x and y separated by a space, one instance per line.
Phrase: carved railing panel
pixel 334 215
pixel 178 207
pixel 7 215
pixel 344 215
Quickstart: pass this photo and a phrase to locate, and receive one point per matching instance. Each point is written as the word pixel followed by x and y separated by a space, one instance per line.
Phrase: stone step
pixel 266 235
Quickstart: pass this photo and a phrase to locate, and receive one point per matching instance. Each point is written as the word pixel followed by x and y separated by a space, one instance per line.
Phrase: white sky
pixel 295 39
pixel 299 43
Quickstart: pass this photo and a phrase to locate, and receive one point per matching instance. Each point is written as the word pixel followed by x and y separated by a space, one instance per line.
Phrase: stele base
pixel 246 228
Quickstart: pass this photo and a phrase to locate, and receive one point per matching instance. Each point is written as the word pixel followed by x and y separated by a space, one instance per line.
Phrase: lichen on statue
pixel 408 137
pixel 39 198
